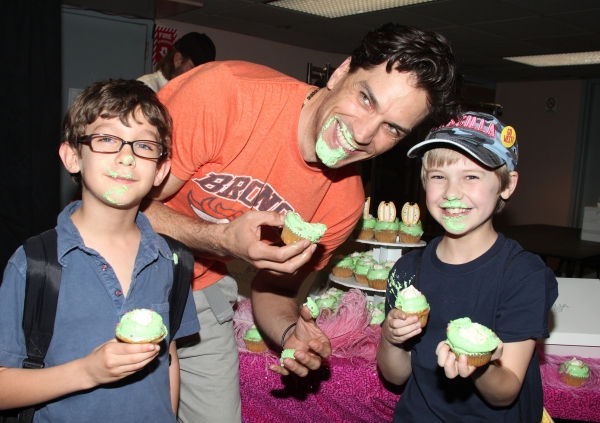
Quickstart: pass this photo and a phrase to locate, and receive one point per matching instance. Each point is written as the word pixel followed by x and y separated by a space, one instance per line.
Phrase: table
pixel 347 388
pixel 560 242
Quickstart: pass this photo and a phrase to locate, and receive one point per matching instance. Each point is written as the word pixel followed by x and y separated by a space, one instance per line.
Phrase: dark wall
pixel 30 118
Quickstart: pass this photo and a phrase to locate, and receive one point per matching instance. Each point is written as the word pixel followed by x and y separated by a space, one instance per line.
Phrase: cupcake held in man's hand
pixel 296 229
pixel 412 302
pixel 141 326
pixel 472 340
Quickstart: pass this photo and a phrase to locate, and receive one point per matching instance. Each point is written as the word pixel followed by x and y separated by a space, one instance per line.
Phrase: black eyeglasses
pixel 104 143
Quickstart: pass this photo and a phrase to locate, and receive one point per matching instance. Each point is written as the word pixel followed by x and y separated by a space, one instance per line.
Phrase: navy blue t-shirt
pixel 508 292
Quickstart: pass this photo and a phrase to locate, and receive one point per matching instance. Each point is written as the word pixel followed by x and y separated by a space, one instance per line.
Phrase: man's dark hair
pixel 117 99
pixel 426 54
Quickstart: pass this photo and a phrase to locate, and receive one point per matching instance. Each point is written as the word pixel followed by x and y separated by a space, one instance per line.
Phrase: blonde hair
pixel 444 156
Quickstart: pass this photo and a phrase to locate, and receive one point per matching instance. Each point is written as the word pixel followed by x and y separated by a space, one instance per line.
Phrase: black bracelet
pixel 285 333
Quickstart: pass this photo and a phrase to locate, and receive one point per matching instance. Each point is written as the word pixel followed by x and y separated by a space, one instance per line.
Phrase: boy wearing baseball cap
pixel 468 173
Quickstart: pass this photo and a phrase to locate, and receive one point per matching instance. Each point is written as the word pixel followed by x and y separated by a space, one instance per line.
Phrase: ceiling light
pixel 566 59
pixel 337 8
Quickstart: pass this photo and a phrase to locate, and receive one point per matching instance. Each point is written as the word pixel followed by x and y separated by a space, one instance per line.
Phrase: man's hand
pixel 310 343
pixel 241 239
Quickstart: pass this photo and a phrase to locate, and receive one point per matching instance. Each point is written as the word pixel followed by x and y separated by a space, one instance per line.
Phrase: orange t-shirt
pixel 235 142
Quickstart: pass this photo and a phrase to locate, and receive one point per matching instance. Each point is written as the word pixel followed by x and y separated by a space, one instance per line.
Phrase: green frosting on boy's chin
pixel 455 224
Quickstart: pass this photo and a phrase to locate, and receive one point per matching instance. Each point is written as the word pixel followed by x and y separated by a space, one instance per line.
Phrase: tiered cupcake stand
pixel 382 251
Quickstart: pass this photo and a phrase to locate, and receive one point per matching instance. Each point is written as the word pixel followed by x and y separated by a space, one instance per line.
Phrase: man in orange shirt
pixel 250 144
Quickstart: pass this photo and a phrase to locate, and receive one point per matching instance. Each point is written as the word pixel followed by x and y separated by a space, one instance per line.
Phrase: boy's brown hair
pixel 445 156
pixel 117 99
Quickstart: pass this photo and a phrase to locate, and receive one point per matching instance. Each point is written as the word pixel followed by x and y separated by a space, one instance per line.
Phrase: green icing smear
pixel 575 368
pixel 114 174
pixel 466 337
pixel 117 193
pixel 329 156
pixel 175 258
pixel 128 160
pixel 452 203
pixel 310 231
pixel 411 300
pixel 287 353
pixel 312 307
pixel 455 223
pixel 141 325
pixel 253 334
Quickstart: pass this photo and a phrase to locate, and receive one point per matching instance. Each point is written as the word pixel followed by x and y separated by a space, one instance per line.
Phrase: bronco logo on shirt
pixel 246 190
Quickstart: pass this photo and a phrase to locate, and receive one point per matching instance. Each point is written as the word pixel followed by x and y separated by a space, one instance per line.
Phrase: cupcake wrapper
pixel 365 234
pixel 377 283
pixel 362 279
pixel 254 346
pixel 409 239
pixel 145 341
pixel 423 316
pixel 572 380
pixel 342 272
pixel 385 236
pixel 476 360
pixel 288 236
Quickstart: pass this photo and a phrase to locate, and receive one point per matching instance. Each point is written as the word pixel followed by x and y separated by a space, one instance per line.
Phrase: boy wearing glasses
pixel 112 262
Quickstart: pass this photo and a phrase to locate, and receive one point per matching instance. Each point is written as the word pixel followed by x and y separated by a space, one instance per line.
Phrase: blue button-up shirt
pixel 90 304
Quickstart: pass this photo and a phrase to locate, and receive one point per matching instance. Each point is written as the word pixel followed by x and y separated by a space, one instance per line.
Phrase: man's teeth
pixel 345 144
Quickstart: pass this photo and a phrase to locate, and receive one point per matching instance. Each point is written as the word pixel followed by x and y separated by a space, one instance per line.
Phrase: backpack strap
pixel 41 299
pixel 183 269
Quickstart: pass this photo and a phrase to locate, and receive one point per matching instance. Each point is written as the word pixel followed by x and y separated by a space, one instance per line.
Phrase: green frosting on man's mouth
pixel 328 156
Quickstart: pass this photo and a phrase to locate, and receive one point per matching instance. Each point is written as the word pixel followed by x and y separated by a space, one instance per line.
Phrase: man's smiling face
pixel 364 114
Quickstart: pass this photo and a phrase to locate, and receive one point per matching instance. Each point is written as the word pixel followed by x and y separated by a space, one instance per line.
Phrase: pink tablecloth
pixel 348 389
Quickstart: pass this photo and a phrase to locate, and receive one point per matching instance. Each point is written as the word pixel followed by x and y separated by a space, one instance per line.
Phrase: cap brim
pixel 477 151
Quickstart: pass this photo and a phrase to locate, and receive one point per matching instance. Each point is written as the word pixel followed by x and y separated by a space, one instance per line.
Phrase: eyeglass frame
pixel 87 139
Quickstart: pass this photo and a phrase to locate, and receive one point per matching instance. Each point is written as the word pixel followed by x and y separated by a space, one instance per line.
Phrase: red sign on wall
pixel 164 38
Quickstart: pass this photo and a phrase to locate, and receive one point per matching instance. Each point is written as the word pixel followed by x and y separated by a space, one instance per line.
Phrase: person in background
pixel 112 262
pixel 468 174
pixel 251 144
pixel 191 50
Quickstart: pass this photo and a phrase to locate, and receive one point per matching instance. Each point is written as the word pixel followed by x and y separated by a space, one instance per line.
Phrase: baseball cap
pixel 480 135
pixel 198 47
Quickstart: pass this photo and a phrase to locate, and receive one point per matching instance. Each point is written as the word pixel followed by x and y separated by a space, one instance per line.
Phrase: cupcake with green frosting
pixel 412 302
pixel 365 228
pixel 473 340
pixel 410 234
pixel 377 276
pixel 141 326
pixel 296 229
pixel 254 341
pixel 377 316
pixel 360 270
pixel 575 372
pixel 386 231
pixel 343 267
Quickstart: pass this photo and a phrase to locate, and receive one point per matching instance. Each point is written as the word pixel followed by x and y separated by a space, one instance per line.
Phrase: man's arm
pixel 239 238
pixel 276 307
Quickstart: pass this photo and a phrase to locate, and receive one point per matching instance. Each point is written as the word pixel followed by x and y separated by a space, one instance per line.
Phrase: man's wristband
pixel 285 333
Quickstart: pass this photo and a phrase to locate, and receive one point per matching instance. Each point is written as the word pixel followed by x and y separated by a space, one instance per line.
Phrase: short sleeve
pixel 12 298
pixel 528 292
